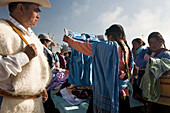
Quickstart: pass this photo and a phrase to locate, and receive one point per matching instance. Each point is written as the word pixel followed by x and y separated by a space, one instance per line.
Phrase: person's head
pixel 156 41
pixel 66 54
pixel 137 42
pixel 26 12
pixel 57 53
pixel 115 33
pixel 44 38
pixel 62 51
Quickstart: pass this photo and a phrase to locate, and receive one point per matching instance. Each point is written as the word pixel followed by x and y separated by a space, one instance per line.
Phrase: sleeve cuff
pixel 22 58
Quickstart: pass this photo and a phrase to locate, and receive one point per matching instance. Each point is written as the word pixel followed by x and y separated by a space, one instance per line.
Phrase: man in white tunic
pixel 24 70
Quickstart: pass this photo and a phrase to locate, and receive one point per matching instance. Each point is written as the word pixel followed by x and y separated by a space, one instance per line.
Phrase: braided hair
pixel 117 33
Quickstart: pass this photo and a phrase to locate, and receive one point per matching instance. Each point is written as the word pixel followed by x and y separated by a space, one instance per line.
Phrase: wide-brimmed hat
pixel 44 36
pixel 42 3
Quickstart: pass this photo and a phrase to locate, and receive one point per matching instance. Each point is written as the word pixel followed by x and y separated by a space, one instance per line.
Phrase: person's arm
pixel 12 64
pixel 85 48
pixel 140 61
pixel 164 54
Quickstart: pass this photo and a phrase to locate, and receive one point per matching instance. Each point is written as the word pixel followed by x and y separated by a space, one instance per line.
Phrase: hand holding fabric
pixel 146 57
pixel 65 38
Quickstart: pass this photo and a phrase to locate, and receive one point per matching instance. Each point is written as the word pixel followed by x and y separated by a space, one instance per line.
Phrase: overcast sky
pixel 138 17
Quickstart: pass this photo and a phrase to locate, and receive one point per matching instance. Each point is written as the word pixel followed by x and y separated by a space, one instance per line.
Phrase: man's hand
pixel 52 43
pixel 44 95
pixel 31 51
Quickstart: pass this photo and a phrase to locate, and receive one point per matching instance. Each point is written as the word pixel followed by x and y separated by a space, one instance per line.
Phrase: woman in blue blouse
pixel 156 49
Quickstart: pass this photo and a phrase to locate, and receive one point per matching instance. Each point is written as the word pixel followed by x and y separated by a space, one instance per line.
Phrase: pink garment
pixel 121 58
pixel 86 48
pixel 146 57
pixel 57 64
pixel 62 61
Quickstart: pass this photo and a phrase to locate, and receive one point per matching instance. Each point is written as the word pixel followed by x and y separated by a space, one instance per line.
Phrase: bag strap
pixel 17 31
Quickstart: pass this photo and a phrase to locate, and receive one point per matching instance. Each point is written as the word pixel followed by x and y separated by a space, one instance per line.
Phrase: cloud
pixel 142 23
pixel 148 21
pixel 107 18
pixel 80 8
pixel 139 24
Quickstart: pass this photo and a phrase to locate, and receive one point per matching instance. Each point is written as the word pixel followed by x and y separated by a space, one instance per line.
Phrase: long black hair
pixel 117 33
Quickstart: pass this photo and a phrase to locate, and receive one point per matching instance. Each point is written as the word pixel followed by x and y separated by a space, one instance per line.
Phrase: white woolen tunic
pixel 18 75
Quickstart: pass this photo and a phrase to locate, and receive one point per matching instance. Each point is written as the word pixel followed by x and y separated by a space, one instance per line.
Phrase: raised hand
pixel 65 38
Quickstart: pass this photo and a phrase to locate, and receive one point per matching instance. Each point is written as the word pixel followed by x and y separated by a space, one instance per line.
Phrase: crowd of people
pixel 119 73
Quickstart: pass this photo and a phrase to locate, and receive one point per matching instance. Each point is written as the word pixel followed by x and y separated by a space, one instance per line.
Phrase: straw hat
pixel 42 3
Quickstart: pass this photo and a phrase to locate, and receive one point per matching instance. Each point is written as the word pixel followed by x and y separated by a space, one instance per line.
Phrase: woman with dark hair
pixel 156 50
pixel 115 34
pixel 138 45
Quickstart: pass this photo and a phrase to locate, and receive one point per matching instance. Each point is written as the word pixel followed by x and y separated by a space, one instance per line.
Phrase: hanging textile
pixel 105 77
pixel 80 66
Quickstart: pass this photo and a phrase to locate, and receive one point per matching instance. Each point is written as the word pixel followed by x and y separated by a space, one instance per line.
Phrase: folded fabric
pixel 159 66
pixel 72 99
pixel 82 92
pixel 57 80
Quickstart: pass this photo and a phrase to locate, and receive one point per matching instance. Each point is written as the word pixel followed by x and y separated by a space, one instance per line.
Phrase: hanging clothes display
pixel 80 66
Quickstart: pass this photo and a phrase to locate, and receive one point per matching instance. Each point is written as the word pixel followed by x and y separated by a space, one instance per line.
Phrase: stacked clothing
pixel 69 97
pixel 58 79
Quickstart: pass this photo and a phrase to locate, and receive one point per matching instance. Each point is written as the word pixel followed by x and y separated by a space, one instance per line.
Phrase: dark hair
pixel 157 36
pixel 42 40
pixel 12 6
pixel 117 32
pixel 57 53
pixel 139 41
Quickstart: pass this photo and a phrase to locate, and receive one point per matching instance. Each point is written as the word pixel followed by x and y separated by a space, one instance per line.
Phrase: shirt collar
pixel 29 32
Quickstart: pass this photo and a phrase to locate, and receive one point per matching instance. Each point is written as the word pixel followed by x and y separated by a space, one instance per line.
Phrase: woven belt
pixel 9 95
